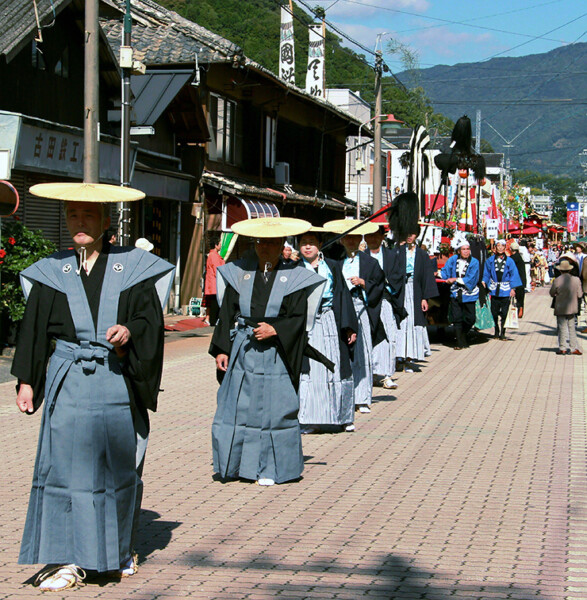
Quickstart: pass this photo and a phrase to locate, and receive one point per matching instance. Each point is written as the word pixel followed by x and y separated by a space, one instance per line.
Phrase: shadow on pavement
pixel 153 534
pixel 390 398
pixel 393 577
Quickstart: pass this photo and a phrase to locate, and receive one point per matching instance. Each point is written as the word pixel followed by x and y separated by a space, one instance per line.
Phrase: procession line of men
pixel 294 343
pixel 315 334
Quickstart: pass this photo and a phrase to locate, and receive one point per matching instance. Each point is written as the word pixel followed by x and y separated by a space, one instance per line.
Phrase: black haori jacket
pixel 396 281
pixel 371 273
pixel 423 277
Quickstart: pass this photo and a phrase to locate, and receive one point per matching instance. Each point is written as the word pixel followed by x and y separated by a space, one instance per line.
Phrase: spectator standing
pixel 579 255
pixel 527 258
pixel 213 261
pixel 521 289
pixel 566 290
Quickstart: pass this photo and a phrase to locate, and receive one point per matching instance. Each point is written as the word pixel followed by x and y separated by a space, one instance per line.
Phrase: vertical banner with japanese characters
pixel 287 59
pixel 315 73
pixel 492 229
pixel 573 217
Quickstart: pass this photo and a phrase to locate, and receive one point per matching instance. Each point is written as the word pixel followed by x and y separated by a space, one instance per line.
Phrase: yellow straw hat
pixel 271 227
pixel 343 225
pixel 86 192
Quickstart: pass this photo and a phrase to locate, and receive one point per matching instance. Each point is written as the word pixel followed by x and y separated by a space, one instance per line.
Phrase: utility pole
pixel 377 183
pixel 91 94
pixel 478 132
pixel 126 61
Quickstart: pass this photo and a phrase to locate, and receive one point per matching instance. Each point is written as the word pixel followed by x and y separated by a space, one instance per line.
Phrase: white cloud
pixel 447 43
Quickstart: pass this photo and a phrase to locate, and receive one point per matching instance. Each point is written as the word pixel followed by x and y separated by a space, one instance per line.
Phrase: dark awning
pixel 154 91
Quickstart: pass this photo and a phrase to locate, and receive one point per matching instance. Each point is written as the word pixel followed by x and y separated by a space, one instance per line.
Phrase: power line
pixel 501 14
pixel 539 37
pixel 353 41
pixel 450 21
pixel 333 27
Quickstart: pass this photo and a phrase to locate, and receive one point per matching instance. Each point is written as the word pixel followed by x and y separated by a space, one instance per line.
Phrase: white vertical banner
pixel 287 58
pixel 492 228
pixel 315 73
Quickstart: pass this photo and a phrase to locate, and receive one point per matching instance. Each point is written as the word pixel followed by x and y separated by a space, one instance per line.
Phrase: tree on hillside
pixel 254 26
pixel 414 106
pixel 559 209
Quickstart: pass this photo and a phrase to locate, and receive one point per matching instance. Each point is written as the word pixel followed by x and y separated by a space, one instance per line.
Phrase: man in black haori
pixel 100 306
pixel 384 353
pixel 266 308
pixel 366 281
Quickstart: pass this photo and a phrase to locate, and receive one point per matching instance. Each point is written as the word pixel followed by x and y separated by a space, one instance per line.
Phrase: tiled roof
pixel 18 21
pixel 162 37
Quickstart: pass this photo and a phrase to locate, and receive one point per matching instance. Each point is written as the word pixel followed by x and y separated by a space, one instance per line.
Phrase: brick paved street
pixel 468 482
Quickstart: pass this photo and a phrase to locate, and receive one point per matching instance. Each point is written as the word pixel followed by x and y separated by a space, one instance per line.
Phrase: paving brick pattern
pixel 469 481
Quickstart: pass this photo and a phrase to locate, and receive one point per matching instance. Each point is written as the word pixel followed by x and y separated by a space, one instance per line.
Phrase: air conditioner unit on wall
pixel 282 173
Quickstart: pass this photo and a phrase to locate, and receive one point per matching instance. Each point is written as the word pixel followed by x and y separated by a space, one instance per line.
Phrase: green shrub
pixel 19 249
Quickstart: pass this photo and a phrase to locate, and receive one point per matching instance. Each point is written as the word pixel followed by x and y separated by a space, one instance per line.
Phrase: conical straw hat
pixel 343 225
pixel 271 227
pixel 86 192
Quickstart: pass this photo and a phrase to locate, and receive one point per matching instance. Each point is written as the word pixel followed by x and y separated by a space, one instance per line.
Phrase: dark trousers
pixel 520 293
pixel 212 308
pixel 499 310
pixel 463 317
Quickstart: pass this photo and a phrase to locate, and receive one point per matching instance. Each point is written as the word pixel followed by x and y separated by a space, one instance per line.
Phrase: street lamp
pixel 385 125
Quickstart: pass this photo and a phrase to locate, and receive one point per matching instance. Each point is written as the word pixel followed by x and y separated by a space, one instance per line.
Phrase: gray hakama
pixel 86 488
pixel 256 433
pixel 362 364
pixel 384 352
pixel 411 338
pixel 325 398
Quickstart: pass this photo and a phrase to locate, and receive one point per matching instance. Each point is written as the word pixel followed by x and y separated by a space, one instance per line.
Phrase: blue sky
pixel 456 31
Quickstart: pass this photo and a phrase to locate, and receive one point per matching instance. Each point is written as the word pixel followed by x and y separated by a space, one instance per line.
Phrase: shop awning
pixel 154 91
pixel 235 209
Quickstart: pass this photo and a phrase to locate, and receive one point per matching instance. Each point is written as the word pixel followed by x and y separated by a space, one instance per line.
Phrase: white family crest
pixel 118 268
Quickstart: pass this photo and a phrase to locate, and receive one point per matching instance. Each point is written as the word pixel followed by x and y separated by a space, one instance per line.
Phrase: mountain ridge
pixel 536 102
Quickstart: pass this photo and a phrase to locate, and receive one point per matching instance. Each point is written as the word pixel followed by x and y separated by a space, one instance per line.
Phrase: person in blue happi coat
pixel 462 272
pixel 501 277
